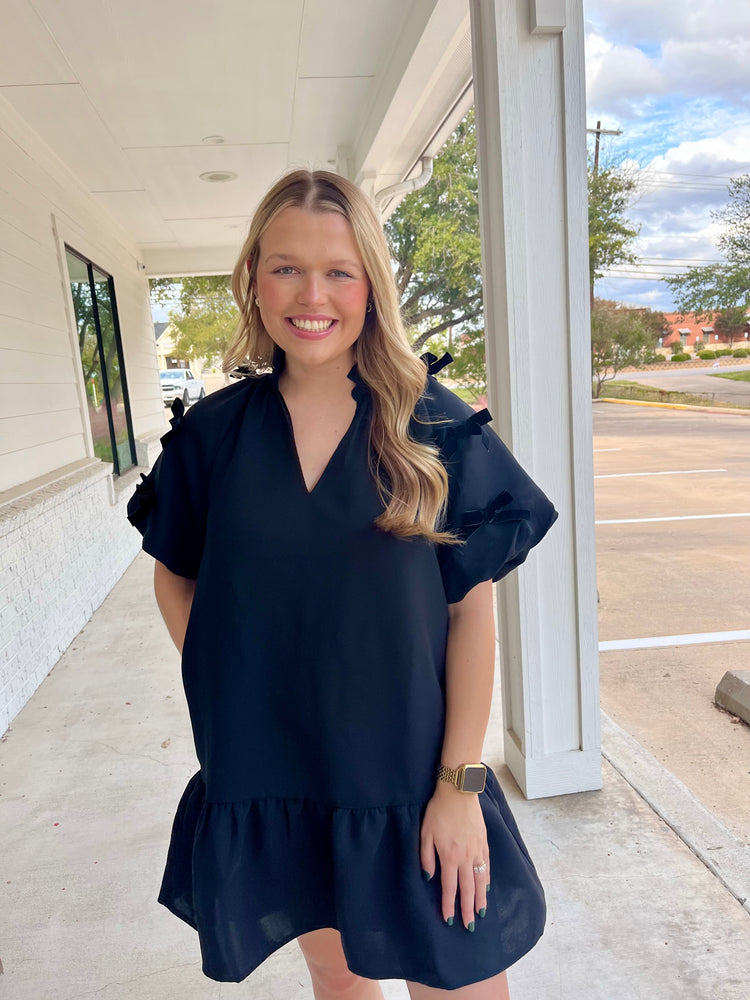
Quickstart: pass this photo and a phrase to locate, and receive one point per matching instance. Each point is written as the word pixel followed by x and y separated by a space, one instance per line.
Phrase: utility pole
pixel 599 132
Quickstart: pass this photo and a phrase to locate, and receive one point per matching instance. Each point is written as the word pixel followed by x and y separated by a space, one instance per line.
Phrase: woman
pixel 326 534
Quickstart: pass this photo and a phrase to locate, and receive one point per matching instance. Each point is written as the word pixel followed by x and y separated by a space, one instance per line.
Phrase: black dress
pixel 314 671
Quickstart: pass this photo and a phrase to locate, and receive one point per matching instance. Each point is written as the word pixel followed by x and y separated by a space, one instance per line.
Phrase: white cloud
pixel 708 66
pixel 635 22
pixel 618 77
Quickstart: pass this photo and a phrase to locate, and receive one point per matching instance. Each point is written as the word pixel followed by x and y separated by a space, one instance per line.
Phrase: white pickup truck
pixel 180 382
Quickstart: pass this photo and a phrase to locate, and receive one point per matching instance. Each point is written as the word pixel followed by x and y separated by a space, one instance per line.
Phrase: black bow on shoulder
pixel 433 364
pixel 178 410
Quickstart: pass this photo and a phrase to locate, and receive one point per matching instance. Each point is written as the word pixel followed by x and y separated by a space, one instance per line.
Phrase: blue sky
pixel 675 77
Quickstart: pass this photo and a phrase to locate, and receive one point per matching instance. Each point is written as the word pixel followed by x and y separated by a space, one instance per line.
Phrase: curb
pixel 674 406
pixel 725 855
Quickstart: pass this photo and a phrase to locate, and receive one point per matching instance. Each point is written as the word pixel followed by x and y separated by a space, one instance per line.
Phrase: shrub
pixel 707 355
pixel 724 352
pixel 680 357
pixel 740 353
pixel 655 359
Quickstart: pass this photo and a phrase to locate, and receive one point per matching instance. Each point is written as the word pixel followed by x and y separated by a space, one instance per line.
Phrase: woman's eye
pixel 341 274
pixel 284 269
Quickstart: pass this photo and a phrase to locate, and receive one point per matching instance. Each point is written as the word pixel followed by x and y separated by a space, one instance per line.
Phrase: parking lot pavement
pixel 696 380
pixel 685 576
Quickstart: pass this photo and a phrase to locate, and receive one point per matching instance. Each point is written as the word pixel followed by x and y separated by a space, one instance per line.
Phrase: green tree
pixel 715 287
pixel 434 238
pixel 619 338
pixel 611 235
pixel 202 310
pixel 731 322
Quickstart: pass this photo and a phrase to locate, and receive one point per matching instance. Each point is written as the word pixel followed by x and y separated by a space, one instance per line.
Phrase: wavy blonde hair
pixel 411 479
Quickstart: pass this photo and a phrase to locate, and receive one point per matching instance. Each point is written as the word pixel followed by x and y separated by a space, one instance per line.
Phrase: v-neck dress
pixel 314 672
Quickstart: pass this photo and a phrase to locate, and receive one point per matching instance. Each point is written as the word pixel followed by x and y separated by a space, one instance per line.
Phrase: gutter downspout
pixel 406 187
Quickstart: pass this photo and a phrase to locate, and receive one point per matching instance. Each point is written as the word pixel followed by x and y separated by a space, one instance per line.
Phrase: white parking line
pixel 677 517
pixel 675 472
pixel 674 640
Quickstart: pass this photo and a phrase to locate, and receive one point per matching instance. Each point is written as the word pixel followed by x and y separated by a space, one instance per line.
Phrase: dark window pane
pixel 88 345
pixel 112 368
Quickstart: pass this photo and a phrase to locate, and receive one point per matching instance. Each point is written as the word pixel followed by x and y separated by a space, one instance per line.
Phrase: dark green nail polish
pixel 483 912
pixel 488 887
pixel 471 927
pixel 426 875
pixel 449 921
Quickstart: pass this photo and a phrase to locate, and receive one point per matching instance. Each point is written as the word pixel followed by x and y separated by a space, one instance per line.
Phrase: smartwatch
pixel 466 777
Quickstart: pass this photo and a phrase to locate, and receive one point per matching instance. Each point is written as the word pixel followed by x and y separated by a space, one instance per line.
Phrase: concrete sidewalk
pixel 93 767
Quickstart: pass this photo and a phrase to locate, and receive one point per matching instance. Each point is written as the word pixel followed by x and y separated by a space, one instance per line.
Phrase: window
pixel 100 349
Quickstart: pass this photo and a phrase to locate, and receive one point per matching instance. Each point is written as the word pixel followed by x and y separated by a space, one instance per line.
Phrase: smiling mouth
pixel 312 325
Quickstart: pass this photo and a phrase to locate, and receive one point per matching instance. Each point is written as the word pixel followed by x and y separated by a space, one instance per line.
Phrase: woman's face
pixel 312 286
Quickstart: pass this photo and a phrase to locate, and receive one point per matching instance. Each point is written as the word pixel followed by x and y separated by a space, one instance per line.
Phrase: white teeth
pixel 313 325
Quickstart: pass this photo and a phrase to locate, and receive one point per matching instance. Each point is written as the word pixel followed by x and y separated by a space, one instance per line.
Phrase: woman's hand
pixel 453 825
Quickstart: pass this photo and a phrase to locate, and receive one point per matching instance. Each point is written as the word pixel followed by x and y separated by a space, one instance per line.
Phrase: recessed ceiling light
pixel 213 140
pixel 218 176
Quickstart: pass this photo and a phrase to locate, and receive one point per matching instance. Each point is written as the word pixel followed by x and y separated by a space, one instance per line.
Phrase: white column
pixel 530 103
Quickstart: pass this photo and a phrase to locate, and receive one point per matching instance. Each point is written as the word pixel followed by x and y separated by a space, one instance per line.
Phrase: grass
pixel 623 389
pixel 468 395
pixel 737 376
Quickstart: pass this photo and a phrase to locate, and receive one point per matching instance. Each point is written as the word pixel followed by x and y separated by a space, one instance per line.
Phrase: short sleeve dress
pixel 314 671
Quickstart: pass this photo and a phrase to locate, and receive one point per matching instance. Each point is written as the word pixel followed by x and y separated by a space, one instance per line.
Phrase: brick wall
pixel 62 548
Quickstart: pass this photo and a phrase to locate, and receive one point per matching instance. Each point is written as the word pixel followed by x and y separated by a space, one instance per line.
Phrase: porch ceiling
pixel 129 95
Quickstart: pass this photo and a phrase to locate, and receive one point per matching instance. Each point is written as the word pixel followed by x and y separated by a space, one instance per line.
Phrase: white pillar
pixel 530 103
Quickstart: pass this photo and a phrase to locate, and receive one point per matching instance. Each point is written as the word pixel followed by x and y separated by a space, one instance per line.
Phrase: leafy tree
pixel 611 235
pixel 434 237
pixel 715 287
pixel 619 338
pixel 204 312
pixel 731 322
pixel 468 368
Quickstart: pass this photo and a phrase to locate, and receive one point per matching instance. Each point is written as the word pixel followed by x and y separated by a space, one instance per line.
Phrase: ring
pixel 480 868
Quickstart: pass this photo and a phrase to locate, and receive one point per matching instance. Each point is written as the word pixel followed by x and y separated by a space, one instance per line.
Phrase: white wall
pixel 64 539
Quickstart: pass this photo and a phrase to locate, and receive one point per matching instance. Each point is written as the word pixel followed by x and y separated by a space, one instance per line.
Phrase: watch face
pixel 474 777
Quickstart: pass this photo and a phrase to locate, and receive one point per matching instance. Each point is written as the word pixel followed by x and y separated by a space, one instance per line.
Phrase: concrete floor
pixel 92 769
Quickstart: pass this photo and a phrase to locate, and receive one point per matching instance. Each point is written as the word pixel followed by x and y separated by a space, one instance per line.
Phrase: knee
pixel 327 963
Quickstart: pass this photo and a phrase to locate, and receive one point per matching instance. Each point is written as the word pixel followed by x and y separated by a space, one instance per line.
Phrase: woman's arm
pixel 174 595
pixel 453 823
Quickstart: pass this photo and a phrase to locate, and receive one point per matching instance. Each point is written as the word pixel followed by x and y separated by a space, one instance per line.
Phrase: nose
pixel 311 289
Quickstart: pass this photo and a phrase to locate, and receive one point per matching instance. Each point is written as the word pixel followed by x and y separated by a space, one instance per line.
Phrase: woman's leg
pixel 331 977
pixel 495 988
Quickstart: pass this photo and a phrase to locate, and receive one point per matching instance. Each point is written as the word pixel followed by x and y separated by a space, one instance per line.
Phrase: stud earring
pixel 257 301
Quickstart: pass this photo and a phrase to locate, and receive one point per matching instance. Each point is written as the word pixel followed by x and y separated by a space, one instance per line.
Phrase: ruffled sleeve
pixel 493 504
pixel 168 506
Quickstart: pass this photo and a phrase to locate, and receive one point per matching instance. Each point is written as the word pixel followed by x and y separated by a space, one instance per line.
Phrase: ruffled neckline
pixel 360 390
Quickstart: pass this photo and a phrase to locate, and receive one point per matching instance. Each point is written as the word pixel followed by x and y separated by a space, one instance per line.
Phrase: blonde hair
pixel 411 479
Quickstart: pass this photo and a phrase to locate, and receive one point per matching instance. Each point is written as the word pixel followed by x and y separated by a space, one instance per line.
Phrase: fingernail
pixel 483 912
pixel 471 927
pixel 449 921
pixel 488 887
pixel 426 875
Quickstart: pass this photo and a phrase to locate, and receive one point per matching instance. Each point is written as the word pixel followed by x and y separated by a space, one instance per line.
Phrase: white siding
pixel 38 196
